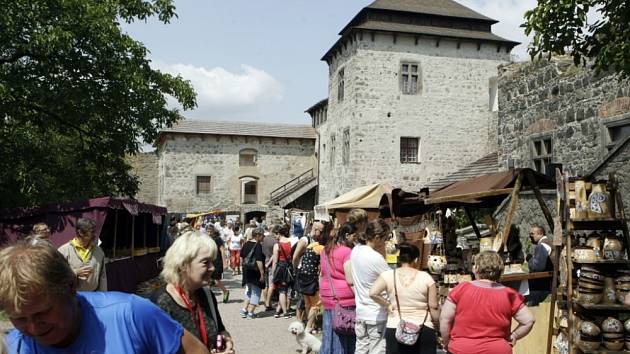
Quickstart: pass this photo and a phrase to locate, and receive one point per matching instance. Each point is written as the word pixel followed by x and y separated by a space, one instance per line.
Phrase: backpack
pixel 249 262
pixel 308 273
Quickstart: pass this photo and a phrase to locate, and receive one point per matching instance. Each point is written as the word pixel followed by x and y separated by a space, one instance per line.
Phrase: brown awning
pixel 486 190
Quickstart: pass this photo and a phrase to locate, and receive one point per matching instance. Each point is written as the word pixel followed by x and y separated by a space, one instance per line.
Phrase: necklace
pixel 200 323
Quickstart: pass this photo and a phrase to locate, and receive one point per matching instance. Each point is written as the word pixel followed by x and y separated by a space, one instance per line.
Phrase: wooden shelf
pixel 603 224
pixel 611 307
pixel 524 276
pixel 602 261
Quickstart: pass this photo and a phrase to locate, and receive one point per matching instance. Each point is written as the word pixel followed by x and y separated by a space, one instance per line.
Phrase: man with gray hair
pixel 86 258
pixel 539 261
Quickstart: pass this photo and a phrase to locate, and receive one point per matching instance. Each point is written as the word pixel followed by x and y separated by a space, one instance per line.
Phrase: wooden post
pixel 472 222
pixel 133 234
pixel 145 232
pixel 511 211
pixel 554 282
pixel 541 201
pixel 115 231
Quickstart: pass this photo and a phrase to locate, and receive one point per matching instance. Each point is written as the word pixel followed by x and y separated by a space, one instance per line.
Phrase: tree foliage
pixel 565 27
pixel 76 96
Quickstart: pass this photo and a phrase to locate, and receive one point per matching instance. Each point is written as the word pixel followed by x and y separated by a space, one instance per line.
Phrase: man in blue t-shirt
pixel 38 292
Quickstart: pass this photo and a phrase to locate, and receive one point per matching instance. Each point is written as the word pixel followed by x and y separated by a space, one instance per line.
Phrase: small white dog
pixel 307 341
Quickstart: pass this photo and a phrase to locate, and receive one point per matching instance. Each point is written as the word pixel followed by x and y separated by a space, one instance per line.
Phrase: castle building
pixel 412 95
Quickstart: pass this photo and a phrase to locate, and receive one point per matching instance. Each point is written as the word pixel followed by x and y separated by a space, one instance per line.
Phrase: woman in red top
pixel 281 261
pixel 482 311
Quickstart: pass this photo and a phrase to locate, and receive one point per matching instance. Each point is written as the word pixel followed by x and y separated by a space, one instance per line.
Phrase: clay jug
pixel 599 202
pixel 581 201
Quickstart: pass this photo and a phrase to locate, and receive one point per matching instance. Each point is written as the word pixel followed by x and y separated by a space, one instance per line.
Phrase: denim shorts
pixel 253 293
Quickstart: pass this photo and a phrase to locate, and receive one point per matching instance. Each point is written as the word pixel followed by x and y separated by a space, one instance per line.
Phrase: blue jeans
pixel 253 293
pixel 333 343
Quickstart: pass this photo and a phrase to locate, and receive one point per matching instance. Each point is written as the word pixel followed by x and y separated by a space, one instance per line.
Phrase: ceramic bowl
pixel 588 285
pixel 436 264
pixel 626 326
pixel 588 345
pixel 614 345
pixel 621 295
pixel 613 336
pixel 587 298
pixel 584 254
pixel 612 325
pixel 589 328
pixel 587 268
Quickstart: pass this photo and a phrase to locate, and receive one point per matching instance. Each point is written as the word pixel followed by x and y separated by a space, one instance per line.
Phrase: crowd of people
pixel 57 299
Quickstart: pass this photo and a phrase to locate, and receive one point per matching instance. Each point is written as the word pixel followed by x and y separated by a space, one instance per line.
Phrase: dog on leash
pixel 308 342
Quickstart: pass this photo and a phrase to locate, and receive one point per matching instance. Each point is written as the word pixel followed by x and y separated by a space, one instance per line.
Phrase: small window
pixel 409 150
pixel 203 184
pixel 249 190
pixel 542 153
pixel 345 153
pixel 616 133
pixel 410 78
pixel 247 157
pixel 340 85
pixel 333 144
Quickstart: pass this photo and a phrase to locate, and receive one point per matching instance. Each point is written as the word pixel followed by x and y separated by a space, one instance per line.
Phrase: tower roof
pixel 448 8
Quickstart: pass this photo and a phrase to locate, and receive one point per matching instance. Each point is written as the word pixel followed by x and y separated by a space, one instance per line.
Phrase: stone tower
pixel 412 95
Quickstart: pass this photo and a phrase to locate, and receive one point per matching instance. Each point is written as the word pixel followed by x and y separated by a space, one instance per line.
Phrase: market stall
pixel 130 233
pixel 367 198
pixel 591 245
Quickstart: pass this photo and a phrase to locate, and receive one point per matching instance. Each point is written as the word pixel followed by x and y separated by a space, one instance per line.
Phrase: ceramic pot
pixel 594 241
pixel 598 202
pixel 436 264
pixel 589 328
pixel 612 325
pixel 584 254
pixel 613 248
pixel 626 326
pixel 588 345
pixel 614 345
pixel 609 291
pixel 590 298
pixel 621 295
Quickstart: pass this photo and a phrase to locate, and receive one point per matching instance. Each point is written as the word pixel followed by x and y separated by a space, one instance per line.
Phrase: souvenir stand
pixel 452 263
pixel 594 269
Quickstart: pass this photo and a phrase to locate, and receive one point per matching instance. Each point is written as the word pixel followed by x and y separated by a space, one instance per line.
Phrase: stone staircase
pixel 294 189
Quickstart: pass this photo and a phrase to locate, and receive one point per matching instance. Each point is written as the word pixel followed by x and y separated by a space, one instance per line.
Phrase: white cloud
pixel 221 90
pixel 510 14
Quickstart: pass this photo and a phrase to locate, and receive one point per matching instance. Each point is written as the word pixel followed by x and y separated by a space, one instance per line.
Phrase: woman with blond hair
pixel 477 315
pixel 188 267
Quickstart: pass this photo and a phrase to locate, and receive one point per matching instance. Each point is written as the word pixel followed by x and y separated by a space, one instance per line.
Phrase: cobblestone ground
pixel 265 334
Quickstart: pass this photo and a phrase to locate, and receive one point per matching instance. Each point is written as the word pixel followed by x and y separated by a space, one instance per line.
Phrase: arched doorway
pixel 254 214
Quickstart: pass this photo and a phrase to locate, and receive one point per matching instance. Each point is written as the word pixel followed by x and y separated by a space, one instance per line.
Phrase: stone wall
pixel 145 168
pixel 450 114
pixel 184 157
pixel 619 163
pixel 554 98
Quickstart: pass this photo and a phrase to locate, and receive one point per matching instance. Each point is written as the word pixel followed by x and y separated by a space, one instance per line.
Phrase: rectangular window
pixel 409 150
pixel 203 184
pixel 493 93
pixel 542 153
pixel 332 148
pixel 615 133
pixel 345 153
pixel 340 85
pixel 410 83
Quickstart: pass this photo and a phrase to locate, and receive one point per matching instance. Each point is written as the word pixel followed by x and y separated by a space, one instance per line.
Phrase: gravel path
pixel 265 334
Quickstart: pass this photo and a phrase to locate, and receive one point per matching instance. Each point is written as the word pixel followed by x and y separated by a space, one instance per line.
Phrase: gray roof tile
pixel 276 130
pixel 431 7
pixel 483 166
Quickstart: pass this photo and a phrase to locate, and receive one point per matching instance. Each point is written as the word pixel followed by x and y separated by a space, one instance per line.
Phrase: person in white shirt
pixel 235 243
pixel 367 265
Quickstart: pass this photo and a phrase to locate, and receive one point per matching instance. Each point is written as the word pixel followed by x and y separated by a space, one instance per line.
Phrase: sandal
pixel 278 314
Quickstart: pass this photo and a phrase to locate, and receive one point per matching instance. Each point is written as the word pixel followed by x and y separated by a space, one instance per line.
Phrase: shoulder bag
pixel 284 270
pixel 407 333
pixel 344 319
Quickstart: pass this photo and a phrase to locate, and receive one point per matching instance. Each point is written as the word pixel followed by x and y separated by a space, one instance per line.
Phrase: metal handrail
pixel 308 175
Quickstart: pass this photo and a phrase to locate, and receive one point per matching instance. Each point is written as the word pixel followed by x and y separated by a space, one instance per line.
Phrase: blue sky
pixel 259 60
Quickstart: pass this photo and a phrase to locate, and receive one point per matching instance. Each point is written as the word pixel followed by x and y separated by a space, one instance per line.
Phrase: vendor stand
pixel 367 198
pixel 130 233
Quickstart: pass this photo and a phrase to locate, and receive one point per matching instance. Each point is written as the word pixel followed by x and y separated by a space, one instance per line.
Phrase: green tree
pixel 77 95
pixel 565 27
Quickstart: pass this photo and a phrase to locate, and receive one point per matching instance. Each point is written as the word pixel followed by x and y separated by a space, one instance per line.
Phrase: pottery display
pixel 589 328
pixel 621 295
pixel 599 202
pixel 614 344
pixel 626 325
pixel 612 325
pixel 588 345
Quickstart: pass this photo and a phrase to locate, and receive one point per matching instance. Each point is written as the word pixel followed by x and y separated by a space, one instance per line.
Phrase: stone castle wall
pixel 145 168
pixel 183 157
pixel 450 114
pixel 554 98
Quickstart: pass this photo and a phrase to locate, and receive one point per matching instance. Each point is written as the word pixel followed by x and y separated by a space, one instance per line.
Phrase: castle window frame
pixel 345 148
pixel 410 78
pixel 409 149
pixel 615 129
pixel 541 148
pixel 493 94
pixel 247 157
pixel 332 149
pixel 340 85
pixel 203 185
